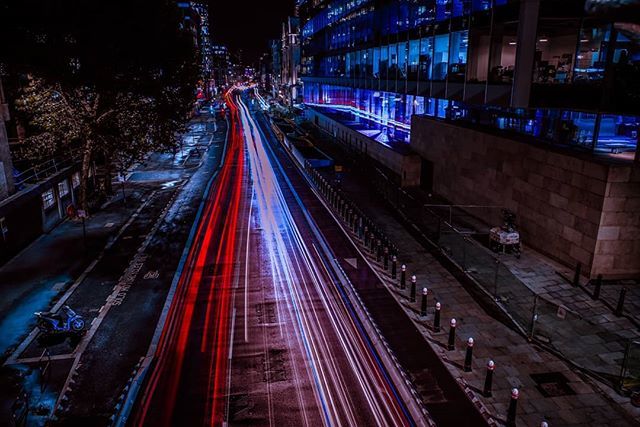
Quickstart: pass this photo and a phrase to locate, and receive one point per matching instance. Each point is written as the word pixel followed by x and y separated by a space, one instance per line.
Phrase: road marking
pixel 353 262
pixel 233 330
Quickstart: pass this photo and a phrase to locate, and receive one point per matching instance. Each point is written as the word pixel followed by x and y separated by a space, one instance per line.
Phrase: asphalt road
pixel 261 330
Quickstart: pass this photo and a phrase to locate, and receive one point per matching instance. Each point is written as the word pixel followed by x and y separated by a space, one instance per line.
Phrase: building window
pixel 63 188
pixel 75 180
pixel 618 134
pixel 555 47
pixel 503 53
pixel 458 55
pixel 426 55
pixel 592 53
pixel 440 56
pixel 48 199
pixel 414 59
pixel 478 59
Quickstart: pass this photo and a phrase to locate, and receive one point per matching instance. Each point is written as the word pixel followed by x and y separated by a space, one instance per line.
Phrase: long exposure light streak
pixel 303 277
pixel 337 378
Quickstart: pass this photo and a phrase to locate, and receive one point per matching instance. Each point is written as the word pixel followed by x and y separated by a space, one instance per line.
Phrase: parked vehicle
pixel 65 321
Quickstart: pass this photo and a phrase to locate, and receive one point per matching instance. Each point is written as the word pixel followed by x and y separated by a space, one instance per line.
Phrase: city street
pixel 269 322
pixel 119 284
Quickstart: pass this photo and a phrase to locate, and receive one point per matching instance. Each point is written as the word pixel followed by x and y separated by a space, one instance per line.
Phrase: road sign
pixel 82 213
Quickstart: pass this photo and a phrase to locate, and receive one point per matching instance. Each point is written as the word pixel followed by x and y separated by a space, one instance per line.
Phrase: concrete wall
pixel 24 217
pixel 405 165
pixel 572 209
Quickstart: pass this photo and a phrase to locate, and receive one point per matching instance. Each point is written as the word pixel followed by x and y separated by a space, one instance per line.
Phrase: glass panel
pixel 384 62
pixel 478 66
pixel 403 52
pixel 393 61
pixel 458 56
pixel 618 134
pixel 426 53
pixel 376 62
pixel 592 53
pixel 414 59
pixel 440 57
pixel 555 47
pixel 503 53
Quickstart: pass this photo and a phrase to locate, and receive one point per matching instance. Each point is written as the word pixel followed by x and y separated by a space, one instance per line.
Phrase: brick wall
pixel 572 209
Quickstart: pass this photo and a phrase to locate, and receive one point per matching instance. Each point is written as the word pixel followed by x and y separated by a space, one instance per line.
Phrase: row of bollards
pixel 618 311
pixel 384 253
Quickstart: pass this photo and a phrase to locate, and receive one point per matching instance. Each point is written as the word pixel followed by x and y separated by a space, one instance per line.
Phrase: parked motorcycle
pixel 66 321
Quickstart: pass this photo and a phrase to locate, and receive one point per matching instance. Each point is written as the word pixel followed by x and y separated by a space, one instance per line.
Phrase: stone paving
pixel 571 398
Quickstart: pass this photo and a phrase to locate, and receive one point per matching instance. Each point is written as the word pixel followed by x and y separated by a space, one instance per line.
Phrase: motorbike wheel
pixel 77 324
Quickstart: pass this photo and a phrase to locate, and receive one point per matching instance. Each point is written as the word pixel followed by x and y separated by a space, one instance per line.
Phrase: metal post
pixel 488 380
pixel 513 406
pixel 394 266
pixel 620 306
pixel 451 343
pixel 378 250
pixel 436 318
pixel 385 258
pixel 84 235
pixel 468 357
pixel 576 276
pixel 495 281
pixel 423 308
pixel 403 277
pixel 412 295
pixel 596 290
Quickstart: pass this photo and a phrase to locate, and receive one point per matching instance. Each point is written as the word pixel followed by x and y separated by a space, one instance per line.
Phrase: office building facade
pixel 529 104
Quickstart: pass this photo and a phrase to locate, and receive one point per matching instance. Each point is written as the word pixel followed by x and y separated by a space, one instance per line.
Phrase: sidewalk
pixel 549 388
pixel 161 195
pixel 33 279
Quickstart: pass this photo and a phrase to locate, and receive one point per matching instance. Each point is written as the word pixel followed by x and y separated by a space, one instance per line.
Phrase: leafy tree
pixel 112 79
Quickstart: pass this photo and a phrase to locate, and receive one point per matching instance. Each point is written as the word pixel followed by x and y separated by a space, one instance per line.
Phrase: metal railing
pixel 38 172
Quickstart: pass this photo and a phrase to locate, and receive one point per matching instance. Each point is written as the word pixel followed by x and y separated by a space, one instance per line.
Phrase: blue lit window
pixel 440 56
pixel 426 56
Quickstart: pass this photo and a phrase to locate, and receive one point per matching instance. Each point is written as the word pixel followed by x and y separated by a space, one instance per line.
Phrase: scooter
pixel 69 321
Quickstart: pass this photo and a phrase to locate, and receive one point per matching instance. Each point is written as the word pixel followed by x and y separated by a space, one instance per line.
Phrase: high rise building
pixel 528 104
pixel 221 65
pixel 290 59
pixel 195 18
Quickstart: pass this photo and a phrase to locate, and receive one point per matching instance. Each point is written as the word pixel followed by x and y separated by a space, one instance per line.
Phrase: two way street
pixel 261 328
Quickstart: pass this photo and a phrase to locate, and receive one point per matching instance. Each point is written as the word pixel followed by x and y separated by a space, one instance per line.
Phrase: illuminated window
pixel 48 199
pixel 441 57
pixel 63 188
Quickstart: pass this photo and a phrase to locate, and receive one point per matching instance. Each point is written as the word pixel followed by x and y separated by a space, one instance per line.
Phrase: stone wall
pixel 405 165
pixel 573 209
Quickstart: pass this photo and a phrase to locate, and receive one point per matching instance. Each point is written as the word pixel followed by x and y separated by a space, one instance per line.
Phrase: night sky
pixel 248 24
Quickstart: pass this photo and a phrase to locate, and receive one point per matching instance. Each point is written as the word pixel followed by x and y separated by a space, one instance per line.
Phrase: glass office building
pixel 552 73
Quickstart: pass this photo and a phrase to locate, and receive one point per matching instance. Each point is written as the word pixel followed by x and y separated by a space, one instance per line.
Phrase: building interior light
pixel 512 43
pixel 543 40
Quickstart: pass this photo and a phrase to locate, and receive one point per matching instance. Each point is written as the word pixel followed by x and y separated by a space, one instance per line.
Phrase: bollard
pixel 394 266
pixel 385 258
pixel 378 250
pixel 488 381
pixel 576 276
pixel 620 306
pixel 468 356
pixel 412 295
pixel 451 344
pixel 544 424
pixel 371 241
pixel 403 277
pixel 596 290
pixel 513 406
pixel 366 236
pixel 423 309
pixel 436 318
